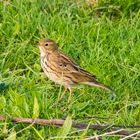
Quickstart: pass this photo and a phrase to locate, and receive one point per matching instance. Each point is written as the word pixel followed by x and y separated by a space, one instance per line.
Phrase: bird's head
pixel 47 45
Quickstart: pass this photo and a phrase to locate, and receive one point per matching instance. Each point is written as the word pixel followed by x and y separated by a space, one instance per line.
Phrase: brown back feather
pixel 68 66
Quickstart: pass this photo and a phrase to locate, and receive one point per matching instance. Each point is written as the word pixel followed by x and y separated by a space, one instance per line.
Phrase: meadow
pixel 103 38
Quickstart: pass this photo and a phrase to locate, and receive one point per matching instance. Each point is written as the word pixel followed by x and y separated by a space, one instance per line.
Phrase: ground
pixel 103 38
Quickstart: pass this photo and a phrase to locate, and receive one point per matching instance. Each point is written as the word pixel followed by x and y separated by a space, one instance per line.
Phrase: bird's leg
pixel 70 96
pixel 65 89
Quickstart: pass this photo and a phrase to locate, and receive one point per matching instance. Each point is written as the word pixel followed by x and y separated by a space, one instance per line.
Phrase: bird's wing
pixel 69 66
pixel 70 70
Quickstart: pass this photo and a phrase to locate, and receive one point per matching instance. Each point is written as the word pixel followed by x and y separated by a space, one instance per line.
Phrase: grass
pixel 105 42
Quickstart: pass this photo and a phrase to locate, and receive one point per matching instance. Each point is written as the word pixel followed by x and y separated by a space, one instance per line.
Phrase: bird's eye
pixel 46 44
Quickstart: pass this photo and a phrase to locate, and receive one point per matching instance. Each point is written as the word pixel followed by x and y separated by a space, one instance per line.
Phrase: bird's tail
pixel 98 84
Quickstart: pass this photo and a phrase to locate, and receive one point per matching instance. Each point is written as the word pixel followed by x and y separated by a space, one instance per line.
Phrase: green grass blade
pixel 35 108
pixel 65 129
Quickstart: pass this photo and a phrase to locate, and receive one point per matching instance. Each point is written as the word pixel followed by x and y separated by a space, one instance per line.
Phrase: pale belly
pixel 57 78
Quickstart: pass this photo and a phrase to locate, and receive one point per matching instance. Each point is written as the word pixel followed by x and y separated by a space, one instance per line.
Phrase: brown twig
pixel 130 136
pixel 60 122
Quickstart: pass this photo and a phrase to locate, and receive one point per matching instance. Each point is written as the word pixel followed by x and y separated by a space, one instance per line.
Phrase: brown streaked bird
pixel 62 70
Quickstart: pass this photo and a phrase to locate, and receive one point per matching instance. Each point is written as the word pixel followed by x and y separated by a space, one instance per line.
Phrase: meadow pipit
pixel 62 70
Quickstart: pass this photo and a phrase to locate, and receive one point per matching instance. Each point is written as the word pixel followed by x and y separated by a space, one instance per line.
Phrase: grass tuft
pixel 103 38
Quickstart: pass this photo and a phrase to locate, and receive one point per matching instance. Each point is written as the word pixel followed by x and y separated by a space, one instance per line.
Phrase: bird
pixel 62 70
